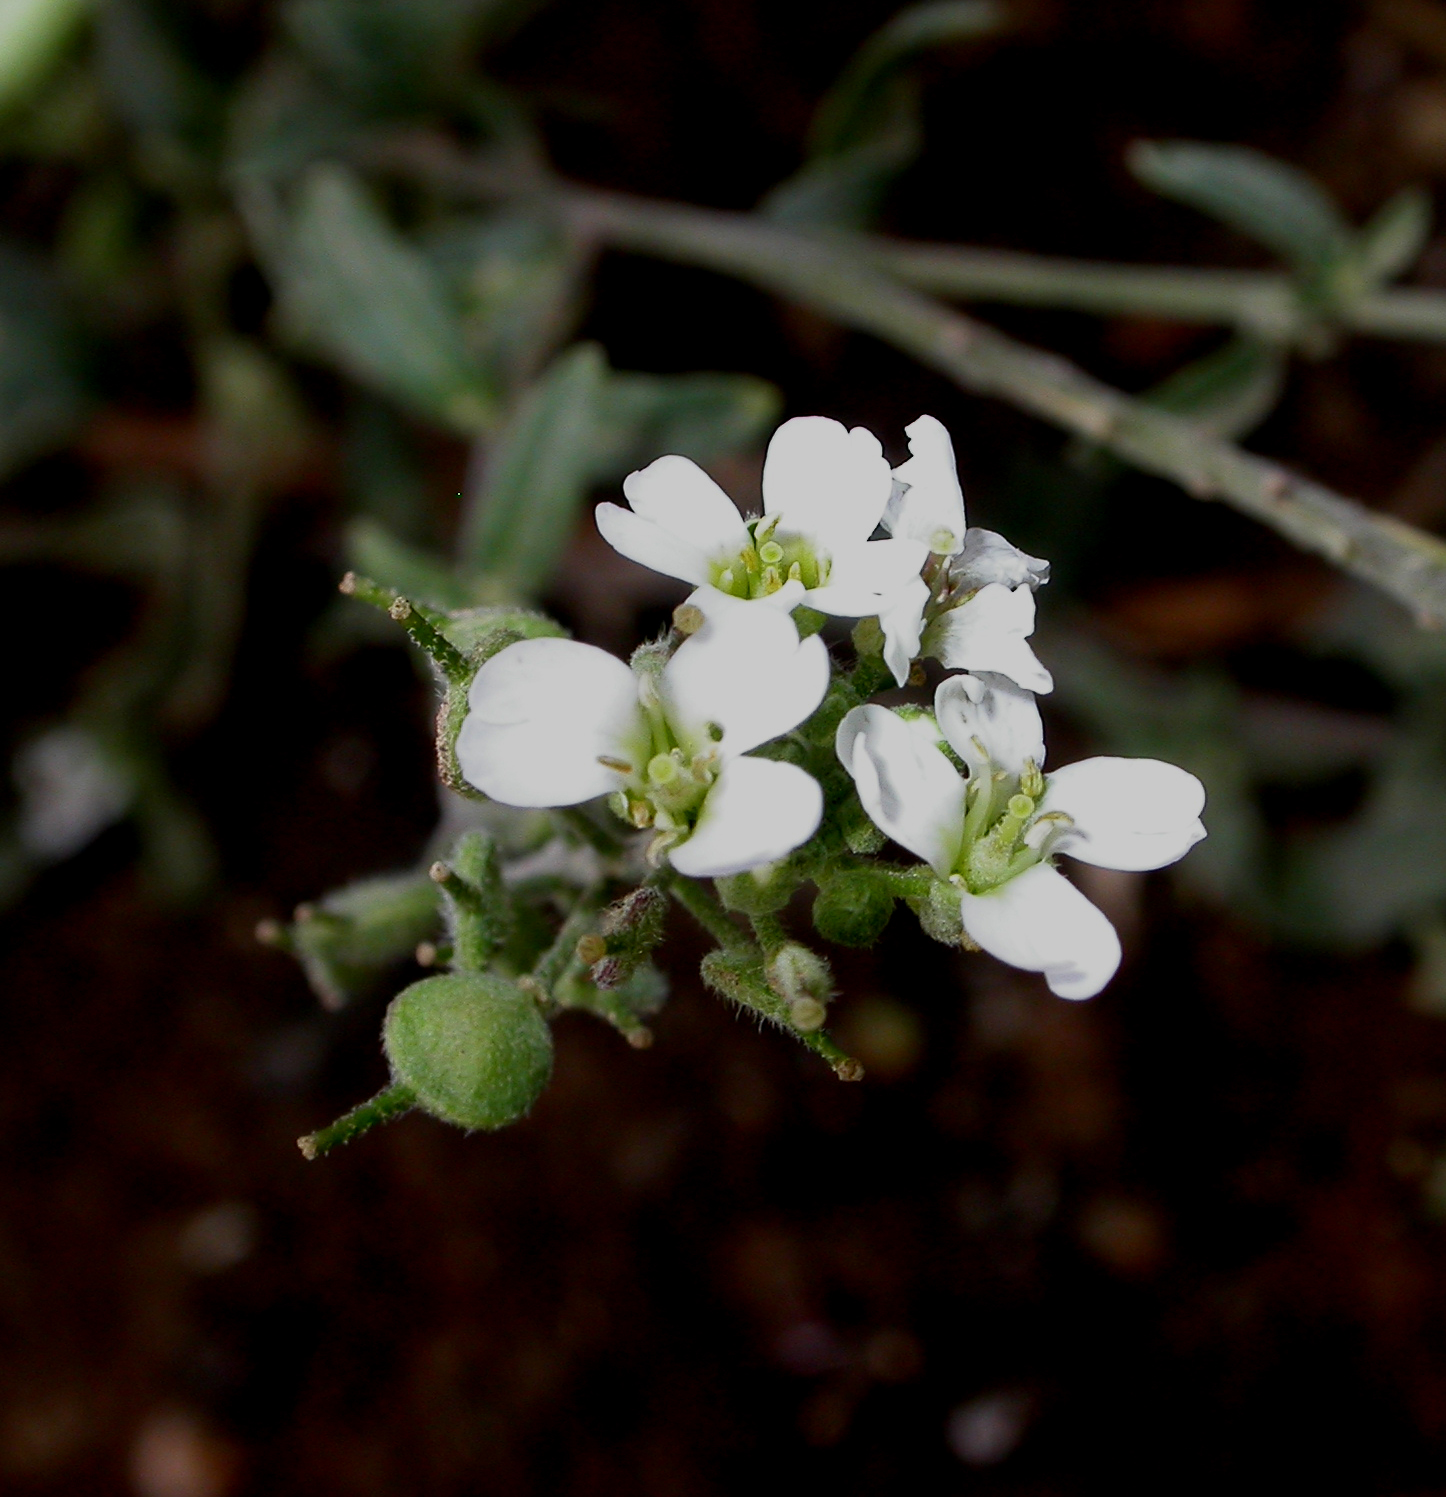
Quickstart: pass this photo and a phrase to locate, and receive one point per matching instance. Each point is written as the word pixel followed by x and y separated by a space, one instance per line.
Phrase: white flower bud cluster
pixel 553 723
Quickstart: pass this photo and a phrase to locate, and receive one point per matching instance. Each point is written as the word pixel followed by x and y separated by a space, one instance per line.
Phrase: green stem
pixel 903 883
pixel 450 660
pixel 768 931
pixel 386 1105
pixel 704 907
pixel 830 275
pixel 554 961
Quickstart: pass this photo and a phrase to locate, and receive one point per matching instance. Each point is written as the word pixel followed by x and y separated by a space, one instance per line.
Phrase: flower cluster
pixel 670 738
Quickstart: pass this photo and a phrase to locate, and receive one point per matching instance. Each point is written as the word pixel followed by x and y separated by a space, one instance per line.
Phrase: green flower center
pixel 1000 816
pixel 768 561
pixel 666 782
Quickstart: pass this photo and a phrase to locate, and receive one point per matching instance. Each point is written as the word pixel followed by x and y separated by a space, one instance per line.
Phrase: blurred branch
pixel 1259 302
pixel 826 275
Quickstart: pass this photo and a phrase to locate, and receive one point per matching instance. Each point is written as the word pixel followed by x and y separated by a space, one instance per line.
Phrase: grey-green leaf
pixel 1229 391
pixel 374 551
pixel 858 105
pixel 353 290
pixel 701 416
pixel 1267 199
pixel 1394 238
pixel 538 472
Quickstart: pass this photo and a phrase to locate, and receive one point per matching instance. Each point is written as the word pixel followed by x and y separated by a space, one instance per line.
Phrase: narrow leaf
pixel 1393 239
pixel 354 290
pixel 856 107
pixel 1270 200
pixel 537 474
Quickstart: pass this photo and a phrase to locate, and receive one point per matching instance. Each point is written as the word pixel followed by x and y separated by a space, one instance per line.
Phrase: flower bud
pixel 941 916
pixel 852 909
pixel 473 1048
pixel 761 891
pixel 795 973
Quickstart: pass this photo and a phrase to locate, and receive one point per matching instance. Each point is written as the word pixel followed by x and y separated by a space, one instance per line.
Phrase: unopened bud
pixel 610 972
pixel 852 909
pixel 640 1038
pixel 426 954
pixel 591 949
pixel 796 974
pixel 807 1014
pixel 270 932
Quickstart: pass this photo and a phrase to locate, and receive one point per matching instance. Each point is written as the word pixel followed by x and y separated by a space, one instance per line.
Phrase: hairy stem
pixel 704 907
pixel 386 1105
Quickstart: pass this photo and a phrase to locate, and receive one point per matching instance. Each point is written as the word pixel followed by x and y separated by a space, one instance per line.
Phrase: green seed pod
pixel 852 909
pixel 473 1047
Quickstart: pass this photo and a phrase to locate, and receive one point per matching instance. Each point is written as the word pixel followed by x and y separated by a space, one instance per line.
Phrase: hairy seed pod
pixel 473 1047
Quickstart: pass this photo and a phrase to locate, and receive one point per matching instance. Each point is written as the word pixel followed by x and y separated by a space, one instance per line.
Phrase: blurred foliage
pixel 396 314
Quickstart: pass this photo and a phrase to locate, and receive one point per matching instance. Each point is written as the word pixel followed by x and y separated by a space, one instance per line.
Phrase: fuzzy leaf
pixel 353 290
pixel 1271 201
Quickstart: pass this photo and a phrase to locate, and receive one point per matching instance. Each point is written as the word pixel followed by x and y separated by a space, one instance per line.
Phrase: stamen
pixel 772 579
pixel 621 765
pixel 795 571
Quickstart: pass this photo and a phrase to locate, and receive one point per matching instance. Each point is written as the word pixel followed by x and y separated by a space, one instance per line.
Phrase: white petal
pixel 991 713
pixel 903 623
pixel 929 507
pixel 988 557
pixel 863 579
pixel 757 811
pixel 714 604
pixel 677 494
pixel 651 545
pixel 825 481
pixel 747 672
pixel 1132 814
pixel 539 714
pixel 990 633
pixel 1039 921
pixel 910 790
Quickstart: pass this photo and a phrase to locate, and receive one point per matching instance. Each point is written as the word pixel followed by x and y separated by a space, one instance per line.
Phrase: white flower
pixel 990 632
pixel 552 722
pixel 927 504
pixel 972 628
pixel 993 833
pixel 824 492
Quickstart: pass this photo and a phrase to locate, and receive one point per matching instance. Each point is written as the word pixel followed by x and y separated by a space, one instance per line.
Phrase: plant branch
pixel 706 910
pixel 1262 303
pixel 824 274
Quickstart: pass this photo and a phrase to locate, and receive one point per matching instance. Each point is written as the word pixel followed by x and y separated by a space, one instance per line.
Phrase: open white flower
pixel 990 632
pixel 552 722
pixel 824 493
pixel 981 599
pixel 993 833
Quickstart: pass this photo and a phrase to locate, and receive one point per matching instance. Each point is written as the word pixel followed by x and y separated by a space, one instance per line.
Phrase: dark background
pixel 1179 1238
